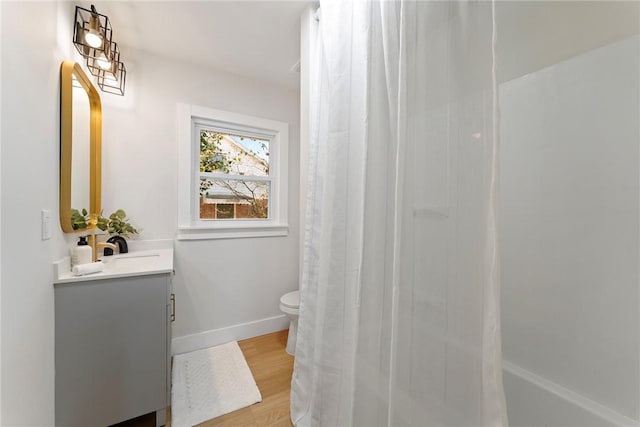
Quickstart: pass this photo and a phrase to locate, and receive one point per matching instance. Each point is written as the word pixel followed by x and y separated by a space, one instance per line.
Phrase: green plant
pixel 117 224
pixel 79 219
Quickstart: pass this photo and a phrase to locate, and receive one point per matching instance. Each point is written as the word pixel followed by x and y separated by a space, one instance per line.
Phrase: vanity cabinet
pixel 112 349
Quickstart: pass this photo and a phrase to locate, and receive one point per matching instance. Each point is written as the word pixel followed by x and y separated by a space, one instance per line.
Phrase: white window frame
pixel 190 226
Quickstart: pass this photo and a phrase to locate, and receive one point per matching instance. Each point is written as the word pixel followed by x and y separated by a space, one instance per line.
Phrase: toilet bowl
pixel 289 304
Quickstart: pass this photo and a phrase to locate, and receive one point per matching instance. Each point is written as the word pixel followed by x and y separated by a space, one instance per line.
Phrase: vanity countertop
pixel 138 263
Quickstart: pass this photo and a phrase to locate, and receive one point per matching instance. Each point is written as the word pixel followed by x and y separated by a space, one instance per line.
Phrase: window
pixel 232 175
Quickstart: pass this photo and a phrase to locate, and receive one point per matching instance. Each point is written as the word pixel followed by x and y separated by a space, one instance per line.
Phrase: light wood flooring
pixel 272 368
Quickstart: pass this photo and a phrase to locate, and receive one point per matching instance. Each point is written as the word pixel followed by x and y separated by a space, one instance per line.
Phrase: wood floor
pixel 272 368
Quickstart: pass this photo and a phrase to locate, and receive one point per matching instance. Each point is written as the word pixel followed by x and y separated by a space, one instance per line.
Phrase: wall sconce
pixel 112 81
pixel 92 37
pixel 92 33
pixel 110 75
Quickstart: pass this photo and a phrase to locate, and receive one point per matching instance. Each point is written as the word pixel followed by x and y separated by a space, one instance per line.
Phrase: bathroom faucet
pixel 120 242
pixel 95 245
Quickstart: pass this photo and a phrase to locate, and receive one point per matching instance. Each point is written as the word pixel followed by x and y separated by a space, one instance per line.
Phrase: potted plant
pixel 119 227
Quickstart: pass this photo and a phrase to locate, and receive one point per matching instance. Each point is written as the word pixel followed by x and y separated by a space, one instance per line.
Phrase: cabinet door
pixel 111 349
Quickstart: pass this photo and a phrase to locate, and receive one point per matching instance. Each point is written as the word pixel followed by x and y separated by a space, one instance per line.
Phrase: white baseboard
pixel 570 399
pixel 241 331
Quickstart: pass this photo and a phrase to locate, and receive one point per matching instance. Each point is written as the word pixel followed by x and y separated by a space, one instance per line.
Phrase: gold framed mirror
pixel 80 147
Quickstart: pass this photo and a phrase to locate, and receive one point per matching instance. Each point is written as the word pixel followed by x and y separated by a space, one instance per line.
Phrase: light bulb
pixel 103 62
pixel 93 39
pixel 93 36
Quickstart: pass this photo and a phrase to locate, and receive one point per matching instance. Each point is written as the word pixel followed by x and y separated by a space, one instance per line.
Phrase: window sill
pixel 240 231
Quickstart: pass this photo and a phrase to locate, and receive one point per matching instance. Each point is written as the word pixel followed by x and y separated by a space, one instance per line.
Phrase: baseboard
pixel 557 401
pixel 241 331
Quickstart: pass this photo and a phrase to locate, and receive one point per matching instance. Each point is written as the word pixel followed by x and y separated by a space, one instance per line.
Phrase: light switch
pixel 46 224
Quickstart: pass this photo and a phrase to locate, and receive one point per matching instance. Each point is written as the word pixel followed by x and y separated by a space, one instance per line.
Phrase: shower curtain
pixel 399 313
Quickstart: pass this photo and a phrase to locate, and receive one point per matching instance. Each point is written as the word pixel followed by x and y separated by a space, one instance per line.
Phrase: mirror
pixel 80 147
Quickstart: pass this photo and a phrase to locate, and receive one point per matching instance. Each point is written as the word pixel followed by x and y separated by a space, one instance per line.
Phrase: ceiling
pixel 255 39
pixel 536 34
pixel 260 39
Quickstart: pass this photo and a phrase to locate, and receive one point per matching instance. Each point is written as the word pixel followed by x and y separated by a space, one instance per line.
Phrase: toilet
pixel 289 304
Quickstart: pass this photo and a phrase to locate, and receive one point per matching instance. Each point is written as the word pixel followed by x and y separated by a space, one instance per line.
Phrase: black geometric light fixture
pixel 93 38
pixel 111 53
pixel 112 81
pixel 111 78
pixel 91 33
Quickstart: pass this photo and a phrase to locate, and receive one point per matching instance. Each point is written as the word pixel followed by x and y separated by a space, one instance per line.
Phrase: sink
pixel 122 265
pixel 136 259
pixel 132 261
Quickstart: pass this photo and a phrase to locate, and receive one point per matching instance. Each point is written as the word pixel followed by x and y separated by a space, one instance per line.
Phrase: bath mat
pixel 209 383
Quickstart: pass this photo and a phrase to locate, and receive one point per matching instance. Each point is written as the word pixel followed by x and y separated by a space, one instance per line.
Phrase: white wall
pixel 30 155
pixel 570 226
pixel 218 283
pixel 1 84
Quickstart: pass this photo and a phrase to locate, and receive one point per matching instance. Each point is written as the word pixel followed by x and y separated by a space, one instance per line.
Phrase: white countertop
pixel 138 263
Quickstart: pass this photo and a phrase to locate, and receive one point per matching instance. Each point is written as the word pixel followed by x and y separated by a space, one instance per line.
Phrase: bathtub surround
pixel 570 223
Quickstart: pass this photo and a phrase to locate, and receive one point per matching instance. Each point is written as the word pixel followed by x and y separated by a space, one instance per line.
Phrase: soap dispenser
pixel 82 253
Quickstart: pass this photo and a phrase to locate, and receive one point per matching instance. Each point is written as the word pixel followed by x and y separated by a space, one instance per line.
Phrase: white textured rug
pixel 209 383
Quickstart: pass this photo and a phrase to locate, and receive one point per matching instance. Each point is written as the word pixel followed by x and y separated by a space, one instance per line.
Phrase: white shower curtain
pixel 399 314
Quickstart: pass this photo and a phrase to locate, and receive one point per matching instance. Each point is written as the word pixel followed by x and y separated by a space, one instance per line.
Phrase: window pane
pixel 233 154
pixel 234 199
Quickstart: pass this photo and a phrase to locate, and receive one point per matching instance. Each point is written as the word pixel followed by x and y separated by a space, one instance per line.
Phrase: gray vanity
pixel 112 340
